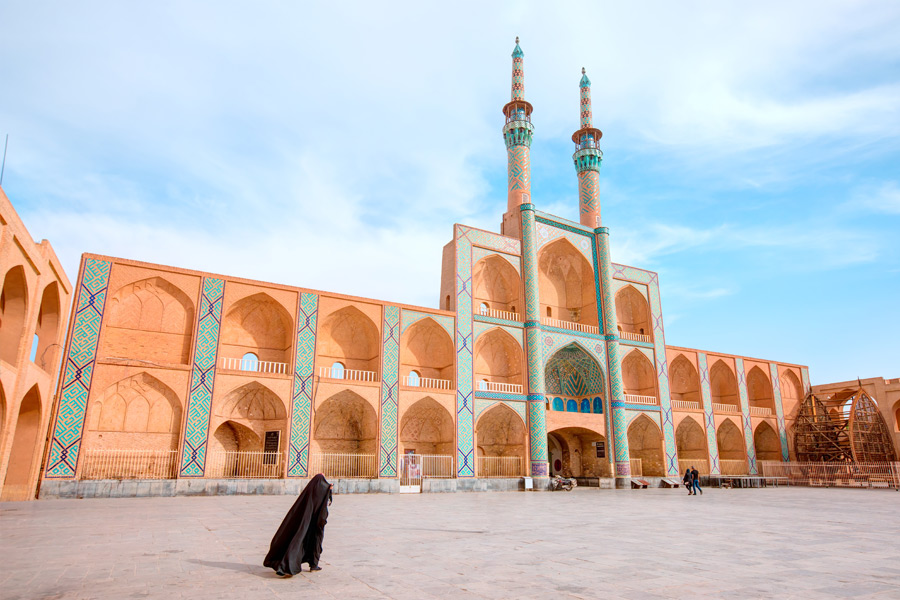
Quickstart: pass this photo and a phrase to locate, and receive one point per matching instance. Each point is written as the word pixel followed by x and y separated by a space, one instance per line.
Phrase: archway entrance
pixel 732 453
pixel 18 484
pixel 426 430
pixel 645 444
pixel 690 441
pixel 500 439
pixel 766 442
pixel 578 452
pixel 345 437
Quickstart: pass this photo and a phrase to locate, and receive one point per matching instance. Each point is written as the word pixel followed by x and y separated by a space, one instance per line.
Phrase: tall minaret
pixel 517 133
pixel 587 159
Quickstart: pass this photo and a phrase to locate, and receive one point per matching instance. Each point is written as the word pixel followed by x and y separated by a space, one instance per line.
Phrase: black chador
pixel 299 539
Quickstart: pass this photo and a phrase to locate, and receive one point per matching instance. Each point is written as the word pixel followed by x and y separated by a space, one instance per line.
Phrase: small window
pixel 549 312
pixel 512 309
pixel 337 370
pixel 34 346
pixel 598 405
pixel 447 302
pixel 413 379
pixel 558 404
pixel 484 308
pixel 482 385
pixel 642 331
pixel 586 405
pixel 571 405
pixel 250 362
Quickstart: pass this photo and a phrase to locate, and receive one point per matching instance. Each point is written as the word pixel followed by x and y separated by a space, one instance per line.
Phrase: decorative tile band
pixel 662 374
pixel 479 394
pixel 390 400
pixel 640 407
pixel 486 319
pixel 745 414
pixel 203 375
pixel 712 443
pixel 301 395
pixel 79 370
pixel 779 412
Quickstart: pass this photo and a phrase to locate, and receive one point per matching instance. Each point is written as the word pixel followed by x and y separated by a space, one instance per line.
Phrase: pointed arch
pixel 645 442
pixel 759 389
pixel 573 452
pixel 498 358
pixel 135 412
pixel 427 349
pixel 349 336
pixel 766 442
pixel 499 431
pixel 723 384
pixel 897 416
pixel 496 283
pixel 690 440
pixel 573 371
pixel 150 319
pixel 633 312
pixel 24 453
pixel 566 283
pixel 47 330
pixel 13 309
pixel 427 428
pixel 730 442
pixel 345 423
pixel 638 375
pixel 684 383
pixel 257 324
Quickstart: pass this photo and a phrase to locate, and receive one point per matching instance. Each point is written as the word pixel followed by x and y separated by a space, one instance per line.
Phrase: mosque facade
pixel 544 357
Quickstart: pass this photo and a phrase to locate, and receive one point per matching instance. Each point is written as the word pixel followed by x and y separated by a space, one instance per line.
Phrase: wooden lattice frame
pixel 845 426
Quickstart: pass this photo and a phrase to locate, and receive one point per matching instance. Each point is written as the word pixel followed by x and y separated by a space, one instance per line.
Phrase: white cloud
pixel 883 199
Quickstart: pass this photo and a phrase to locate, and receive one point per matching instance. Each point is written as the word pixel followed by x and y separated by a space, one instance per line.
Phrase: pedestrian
pixel 695 478
pixel 688 481
pixel 299 538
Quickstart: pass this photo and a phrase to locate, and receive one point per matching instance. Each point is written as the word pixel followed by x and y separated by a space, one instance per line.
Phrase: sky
pixel 751 150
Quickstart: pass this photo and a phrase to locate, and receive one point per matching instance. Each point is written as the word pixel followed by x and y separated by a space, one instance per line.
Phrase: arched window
pixel 571 405
pixel 598 405
pixel 447 302
pixel 484 308
pixel 250 362
pixel 586 405
pixel 549 312
pixel 413 379
pixel 558 404
pixel 337 370
pixel 34 346
pixel 512 309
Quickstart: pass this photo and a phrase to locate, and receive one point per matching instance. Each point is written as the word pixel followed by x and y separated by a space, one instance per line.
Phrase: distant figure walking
pixel 299 538
pixel 688 482
pixel 695 478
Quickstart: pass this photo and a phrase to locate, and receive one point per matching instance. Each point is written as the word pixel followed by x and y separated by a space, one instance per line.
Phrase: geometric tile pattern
pixel 480 253
pixel 203 374
pixel 585 87
pixel 390 401
pixel 518 169
pixel 588 192
pixel 301 395
pixel 408 317
pixel 595 347
pixel 548 232
pixel 518 73
pixel 483 404
pixel 779 412
pixel 745 412
pixel 78 370
pixel 709 419
pixel 514 332
pixel 466 237
pixel 573 372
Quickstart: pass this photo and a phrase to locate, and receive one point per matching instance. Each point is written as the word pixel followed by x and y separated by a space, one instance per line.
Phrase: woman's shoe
pixel 315 568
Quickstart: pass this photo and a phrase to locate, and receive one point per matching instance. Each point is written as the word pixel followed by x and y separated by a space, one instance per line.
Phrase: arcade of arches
pixel 566 284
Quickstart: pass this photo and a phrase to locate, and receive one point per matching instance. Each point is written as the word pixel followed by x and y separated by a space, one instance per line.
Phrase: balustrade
pixel 251 364
pixel 560 324
pixel 350 374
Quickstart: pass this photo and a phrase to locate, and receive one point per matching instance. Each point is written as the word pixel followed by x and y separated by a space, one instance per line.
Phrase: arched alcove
pixel 426 348
pixel 723 385
pixel 13 308
pixel 48 329
pixel 571 371
pixel 150 320
pixel 638 375
pixel 260 325
pixel 350 337
pixel 897 416
pixel 759 390
pixel 136 413
pixel 732 451
pixel 500 432
pixel 766 442
pixel 498 358
pixel 684 383
pixel 576 453
pixel 345 424
pixel 566 284
pixel 24 452
pixel 427 428
pixel 496 283
pixel 633 312
pixel 255 407
pixel 646 443
pixel 690 442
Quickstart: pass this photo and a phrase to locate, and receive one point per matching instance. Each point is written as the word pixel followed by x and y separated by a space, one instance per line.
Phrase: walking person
pixel 695 479
pixel 688 482
pixel 299 538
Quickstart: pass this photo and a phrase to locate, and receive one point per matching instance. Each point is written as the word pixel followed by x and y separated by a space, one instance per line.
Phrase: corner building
pixel 544 357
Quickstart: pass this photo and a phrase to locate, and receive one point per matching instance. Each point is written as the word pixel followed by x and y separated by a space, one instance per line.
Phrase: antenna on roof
pixel 3 166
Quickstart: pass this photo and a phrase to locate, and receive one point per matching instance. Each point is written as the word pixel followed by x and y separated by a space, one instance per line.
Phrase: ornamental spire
pixel 518 73
pixel 585 99
pixel 587 158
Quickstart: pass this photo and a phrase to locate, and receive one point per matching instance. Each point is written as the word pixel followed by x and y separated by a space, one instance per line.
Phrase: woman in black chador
pixel 299 538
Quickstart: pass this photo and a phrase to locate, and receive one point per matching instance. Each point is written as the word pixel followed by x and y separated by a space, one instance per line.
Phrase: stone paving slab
pixel 759 543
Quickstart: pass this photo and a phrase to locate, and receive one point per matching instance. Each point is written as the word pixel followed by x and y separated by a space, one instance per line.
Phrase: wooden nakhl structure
pixel 844 427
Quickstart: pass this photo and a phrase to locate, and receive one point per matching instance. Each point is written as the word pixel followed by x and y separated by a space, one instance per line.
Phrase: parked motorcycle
pixel 562 483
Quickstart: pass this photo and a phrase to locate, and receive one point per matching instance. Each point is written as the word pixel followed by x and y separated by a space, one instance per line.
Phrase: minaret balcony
pixel 518 133
pixel 587 159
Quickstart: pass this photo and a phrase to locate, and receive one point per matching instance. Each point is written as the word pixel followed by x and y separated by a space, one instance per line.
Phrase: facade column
pixel 745 414
pixel 712 440
pixel 535 358
pixel 779 412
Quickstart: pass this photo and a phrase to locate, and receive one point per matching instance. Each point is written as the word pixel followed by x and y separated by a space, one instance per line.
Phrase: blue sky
pixel 751 151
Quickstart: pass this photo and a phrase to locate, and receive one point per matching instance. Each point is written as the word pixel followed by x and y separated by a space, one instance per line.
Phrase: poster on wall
pixel 601 449
pixel 271 447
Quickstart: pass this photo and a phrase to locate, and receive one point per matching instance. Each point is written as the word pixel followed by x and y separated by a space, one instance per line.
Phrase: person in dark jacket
pixel 695 478
pixel 299 538
pixel 688 481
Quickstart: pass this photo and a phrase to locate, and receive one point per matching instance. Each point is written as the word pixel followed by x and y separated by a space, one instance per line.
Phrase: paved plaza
pixel 760 543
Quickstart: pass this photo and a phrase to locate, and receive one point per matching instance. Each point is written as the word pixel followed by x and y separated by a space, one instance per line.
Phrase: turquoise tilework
pixel 483 404
pixel 515 333
pixel 779 411
pixel 78 370
pixel 408 317
pixel 390 399
pixel 479 253
pixel 505 322
pixel 745 413
pixel 301 395
pixel 546 233
pixel 573 371
pixel 203 375
pixel 709 417
pixel 534 353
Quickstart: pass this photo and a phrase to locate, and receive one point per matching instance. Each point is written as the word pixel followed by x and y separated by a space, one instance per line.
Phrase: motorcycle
pixel 562 483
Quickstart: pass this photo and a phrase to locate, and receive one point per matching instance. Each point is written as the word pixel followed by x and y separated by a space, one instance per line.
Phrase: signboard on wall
pixel 601 449
pixel 271 447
